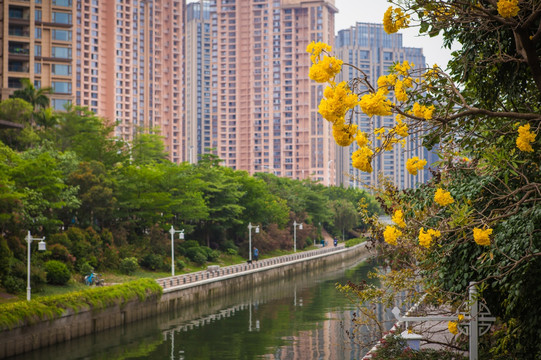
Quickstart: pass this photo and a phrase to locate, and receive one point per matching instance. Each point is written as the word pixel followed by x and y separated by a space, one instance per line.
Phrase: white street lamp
pixel 250 227
pixel 295 224
pixel 41 247
pixel 172 231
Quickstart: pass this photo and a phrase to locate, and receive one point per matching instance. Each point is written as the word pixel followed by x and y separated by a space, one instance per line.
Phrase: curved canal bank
pixel 72 325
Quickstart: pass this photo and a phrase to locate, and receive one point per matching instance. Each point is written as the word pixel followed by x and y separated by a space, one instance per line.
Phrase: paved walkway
pixel 215 271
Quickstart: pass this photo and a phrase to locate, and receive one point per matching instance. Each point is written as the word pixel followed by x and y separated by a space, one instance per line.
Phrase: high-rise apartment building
pixel 200 128
pixel 372 50
pixel 130 66
pixel 37 43
pixel 264 104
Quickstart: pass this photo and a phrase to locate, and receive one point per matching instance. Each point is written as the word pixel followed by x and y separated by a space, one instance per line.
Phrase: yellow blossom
pixel 386 81
pixel 400 91
pixel 375 104
pixel 423 111
pixel 452 326
pixel 391 234
pixel 425 237
pixel 325 69
pixel 401 128
pixel 398 218
pixel 415 164
pixel 508 8
pixel 443 197
pixel 344 134
pixel 394 20
pixel 362 139
pixel 403 68
pixel 482 236
pixel 525 138
pixel 315 49
pixel 337 101
pixel 362 158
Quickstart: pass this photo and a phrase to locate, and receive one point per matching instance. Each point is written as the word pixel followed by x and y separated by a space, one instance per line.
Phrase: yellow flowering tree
pixel 479 219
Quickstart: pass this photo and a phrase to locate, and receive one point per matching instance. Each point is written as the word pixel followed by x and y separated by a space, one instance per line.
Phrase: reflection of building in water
pixel 328 341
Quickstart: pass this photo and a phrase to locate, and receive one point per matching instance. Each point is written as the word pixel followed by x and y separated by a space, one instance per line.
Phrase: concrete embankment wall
pixel 71 325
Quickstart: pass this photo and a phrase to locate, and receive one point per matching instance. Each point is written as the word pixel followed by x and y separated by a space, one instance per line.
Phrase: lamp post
pixel 41 247
pixel 250 227
pixel 295 224
pixel 172 231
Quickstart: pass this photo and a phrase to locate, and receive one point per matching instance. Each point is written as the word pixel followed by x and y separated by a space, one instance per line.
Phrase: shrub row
pixel 28 312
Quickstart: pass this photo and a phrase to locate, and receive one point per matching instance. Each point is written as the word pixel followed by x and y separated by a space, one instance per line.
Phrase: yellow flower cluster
pixel 325 69
pixel 401 127
pixel 391 234
pixel 394 20
pixel 422 111
pixel 385 82
pixel 398 218
pixel 508 8
pixel 525 138
pixel 425 237
pixel 443 197
pixel 375 104
pixel 337 102
pixel 315 49
pixel 404 68
pixel 415 164
pixel 362 139
pixel 452 326
pixel 362 159
pixel 344 134
pixel 482 236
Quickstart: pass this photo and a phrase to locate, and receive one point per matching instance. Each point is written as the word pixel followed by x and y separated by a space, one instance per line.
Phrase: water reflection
pixel 303 317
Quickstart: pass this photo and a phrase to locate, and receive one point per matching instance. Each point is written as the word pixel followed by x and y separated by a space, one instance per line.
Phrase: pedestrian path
pixel 215 271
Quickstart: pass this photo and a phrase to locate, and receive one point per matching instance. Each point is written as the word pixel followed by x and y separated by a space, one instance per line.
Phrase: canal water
pixel 304 317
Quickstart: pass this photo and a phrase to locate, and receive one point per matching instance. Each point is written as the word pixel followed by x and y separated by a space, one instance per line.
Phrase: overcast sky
pixel 351 11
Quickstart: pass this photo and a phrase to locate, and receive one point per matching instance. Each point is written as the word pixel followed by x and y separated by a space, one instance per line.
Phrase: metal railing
pixel 212 272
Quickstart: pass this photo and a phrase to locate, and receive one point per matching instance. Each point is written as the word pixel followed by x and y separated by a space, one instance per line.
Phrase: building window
pixel 66 3
pixel 58 104
pixel 60 52
pixel 62 35
pixel 60 69
pixel 61 17
pixel 63 87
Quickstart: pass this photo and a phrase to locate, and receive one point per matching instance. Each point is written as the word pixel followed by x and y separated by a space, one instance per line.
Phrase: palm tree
pixel 36 97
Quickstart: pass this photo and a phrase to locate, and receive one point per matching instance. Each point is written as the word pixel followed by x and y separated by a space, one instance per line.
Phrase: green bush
pixel 86 269
pixel 197 255
pixel 57 272
pixel 152 262
pixel 189 244
pixel 231 251
pixel 212 255
pixel 129 265
pixel 51 307
pixel 179 265
pixel 227 245
pixel 13 285
pixel 353 242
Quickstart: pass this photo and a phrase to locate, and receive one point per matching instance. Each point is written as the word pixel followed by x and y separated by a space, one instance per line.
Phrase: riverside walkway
pixel 214 272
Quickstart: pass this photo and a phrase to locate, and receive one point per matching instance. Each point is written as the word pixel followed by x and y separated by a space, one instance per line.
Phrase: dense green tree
pixel 345 215
pixel 222 194
pixel 89 136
